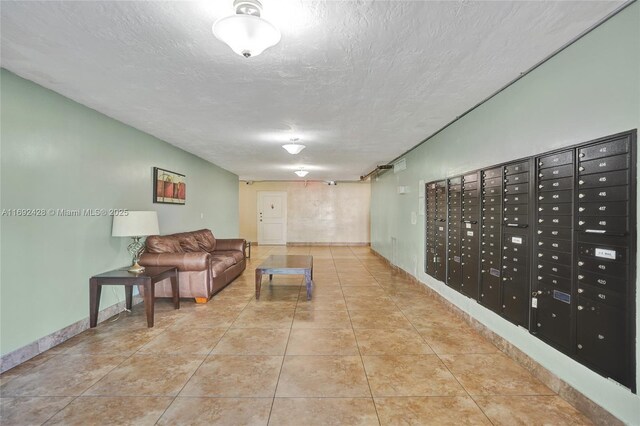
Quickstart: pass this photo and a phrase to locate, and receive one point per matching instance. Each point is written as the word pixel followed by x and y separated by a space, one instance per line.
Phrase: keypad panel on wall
pixel 436 229
pixel 549 243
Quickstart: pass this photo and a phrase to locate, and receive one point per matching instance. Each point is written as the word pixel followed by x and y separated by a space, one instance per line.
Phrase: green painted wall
pixel 591 89
pixel 56 153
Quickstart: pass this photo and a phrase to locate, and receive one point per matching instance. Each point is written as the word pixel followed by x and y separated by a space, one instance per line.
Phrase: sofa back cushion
pixel 163 244
pixel 189 243
pixel 206 240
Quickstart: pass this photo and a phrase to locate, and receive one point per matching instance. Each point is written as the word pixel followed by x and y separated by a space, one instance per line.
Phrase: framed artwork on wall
pixel 169 187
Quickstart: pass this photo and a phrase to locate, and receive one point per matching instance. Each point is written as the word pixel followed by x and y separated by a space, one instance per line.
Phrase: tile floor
pixel 369 348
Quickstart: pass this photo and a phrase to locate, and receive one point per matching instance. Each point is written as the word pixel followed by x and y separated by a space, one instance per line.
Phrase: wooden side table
pixel 147 279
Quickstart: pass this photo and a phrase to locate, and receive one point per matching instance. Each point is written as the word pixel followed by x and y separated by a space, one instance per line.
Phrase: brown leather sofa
pixel 205 264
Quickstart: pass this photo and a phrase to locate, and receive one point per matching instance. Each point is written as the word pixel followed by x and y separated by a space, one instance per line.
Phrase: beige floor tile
pixel 322 376
pixel 235 376
pixel 530 411
pixel 447 339
pixel 378 319
pixel 205 319
pixel 364 291
pixel 25 366
pixel 323 341
pixel 410 375
pixel 128 410
pixel 323 411
pixel 67 375
pixel 109 340
pixel 427 411
pixel 323 303
pixel 398 341
pixel 253 341
pixel 30 410
pixel 148 375
pixel 187 341
pixel 217 411
pixel 369 303
pixel 267 317
pixel 309 318
pixel 493 374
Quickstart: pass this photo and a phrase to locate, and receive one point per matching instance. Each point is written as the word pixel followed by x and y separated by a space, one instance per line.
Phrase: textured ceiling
pixel 359 82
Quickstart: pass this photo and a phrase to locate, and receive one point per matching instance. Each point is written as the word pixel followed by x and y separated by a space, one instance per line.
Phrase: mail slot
pixel 497 181
pixel 606 149
pixel 470 196
pixel 555 220
pixel 491 209
pixel 603 224
pixel 558 159
pixel 490 226
pixel 607 208
pixel 467 186
pixel 556 172
pixel 519 188
pixel 611 268
pixel 553 281
pixel 492 191
pixel 518 209
pixel 555 184
pixel 599 280
pixel 555 197
pixel 491 200
pixel 554 244
pixel 515 303
pixel 554 269
pixel 607 164
pixel 518 178
pixel 515 220
pixel 597 180
pixel 554 256
pixel 602 295
pixel 471 177
pixel 555 209
pixel 557 233
pixel 490 289
pixel 516 168
pixel 492 173
pixel 516 199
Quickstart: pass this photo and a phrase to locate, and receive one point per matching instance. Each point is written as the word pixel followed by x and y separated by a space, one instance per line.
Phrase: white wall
pixel 316 212
pixel 591 89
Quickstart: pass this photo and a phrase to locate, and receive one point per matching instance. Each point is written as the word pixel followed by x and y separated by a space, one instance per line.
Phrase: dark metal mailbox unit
pixel 549 243
pixel 436 228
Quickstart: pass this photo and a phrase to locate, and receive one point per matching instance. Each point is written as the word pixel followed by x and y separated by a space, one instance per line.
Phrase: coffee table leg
pixel 149 300
pixel 128 295
pixel 258 283
pixel 95 290
pixel 175 290
pixel 308 281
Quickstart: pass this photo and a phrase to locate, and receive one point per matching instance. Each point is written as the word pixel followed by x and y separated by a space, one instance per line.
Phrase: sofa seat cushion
pixel 238 256
pixel 227 260
pixel 218 266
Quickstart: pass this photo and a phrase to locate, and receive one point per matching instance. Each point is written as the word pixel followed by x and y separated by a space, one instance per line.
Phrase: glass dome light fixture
pixel 302 172
pixel 246 32
pixel 294 148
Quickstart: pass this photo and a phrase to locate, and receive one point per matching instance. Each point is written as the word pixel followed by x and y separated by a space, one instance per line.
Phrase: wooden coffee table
pixel 147 279
pixel 286 265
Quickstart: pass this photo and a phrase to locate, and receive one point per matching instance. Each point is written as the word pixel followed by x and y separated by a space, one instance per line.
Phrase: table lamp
pixel 136 224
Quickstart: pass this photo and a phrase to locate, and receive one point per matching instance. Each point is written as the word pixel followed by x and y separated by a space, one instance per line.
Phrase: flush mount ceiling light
pixel 246 32
pixel 301 172
pixel 293 147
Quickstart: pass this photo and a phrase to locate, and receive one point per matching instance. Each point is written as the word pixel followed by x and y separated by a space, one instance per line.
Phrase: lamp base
pixel 136 269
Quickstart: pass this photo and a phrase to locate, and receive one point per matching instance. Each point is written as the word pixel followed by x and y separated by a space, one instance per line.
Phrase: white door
pixel 272 218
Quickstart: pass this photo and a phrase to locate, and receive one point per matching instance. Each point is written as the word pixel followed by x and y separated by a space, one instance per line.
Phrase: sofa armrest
pixel 194 261
pixel 230 244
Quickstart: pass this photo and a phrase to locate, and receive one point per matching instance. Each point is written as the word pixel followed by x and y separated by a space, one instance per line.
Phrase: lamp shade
pixel 293 148
pixel 135 224
pixel 247 35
